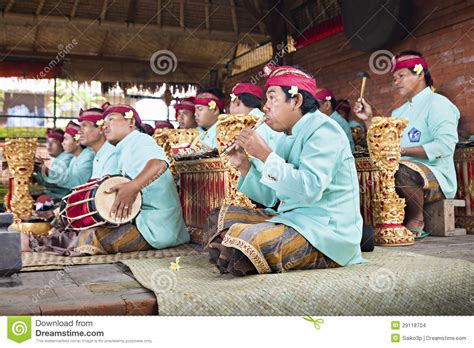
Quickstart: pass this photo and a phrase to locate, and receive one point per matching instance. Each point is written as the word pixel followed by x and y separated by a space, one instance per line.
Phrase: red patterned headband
pixel 287 76
pixel 209 99
pixel 248 88
pixel 407 61
pixel 126 110
pixel 54 135
pixel 89 115
pixel 72 129
pixel 185 104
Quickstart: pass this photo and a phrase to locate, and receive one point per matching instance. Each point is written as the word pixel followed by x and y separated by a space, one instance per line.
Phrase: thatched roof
pixel 112 40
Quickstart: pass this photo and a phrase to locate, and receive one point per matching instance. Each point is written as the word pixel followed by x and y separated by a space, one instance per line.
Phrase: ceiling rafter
pixel 158 13
pixel 39 8
pixel 74 9
pixel 233 12
pixel 132 11
pixel 9 6
pixel 103 12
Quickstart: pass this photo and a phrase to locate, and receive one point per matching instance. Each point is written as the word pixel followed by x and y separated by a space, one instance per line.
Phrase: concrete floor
pixel 111 289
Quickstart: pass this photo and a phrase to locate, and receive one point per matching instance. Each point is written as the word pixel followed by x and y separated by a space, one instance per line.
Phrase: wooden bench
pixel 439 218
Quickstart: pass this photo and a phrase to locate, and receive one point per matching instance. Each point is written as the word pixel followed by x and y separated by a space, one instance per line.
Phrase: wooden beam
pixel 104 11
pixel 102 45
pixel 35 40
pixel 308 15
pixel 234 16
pixel 132 11
pixel 9 6
pixel 181 13
pixel 257 15
pixel 9 53
pixel 216 35
pixel 158 13
pixel 74 9
pixel 206 15
pixel 39 8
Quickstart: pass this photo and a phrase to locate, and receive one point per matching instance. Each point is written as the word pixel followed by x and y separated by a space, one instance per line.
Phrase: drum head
pixel 104 201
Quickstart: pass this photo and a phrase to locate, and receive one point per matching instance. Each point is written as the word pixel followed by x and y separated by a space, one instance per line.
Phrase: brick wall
pixel 443 32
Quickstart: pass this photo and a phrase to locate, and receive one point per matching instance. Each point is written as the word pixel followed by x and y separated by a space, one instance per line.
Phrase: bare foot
pixel 415 223
pixel 25 242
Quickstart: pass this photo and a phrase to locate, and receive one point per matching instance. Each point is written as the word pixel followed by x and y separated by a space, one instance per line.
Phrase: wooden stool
pixel 439 218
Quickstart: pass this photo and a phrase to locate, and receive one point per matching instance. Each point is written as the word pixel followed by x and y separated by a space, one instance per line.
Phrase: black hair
pixel 250 100
pixel 213 90
pixel 333 102
pixel 310 104
pixel 140 128
pixel 56 130
pixel 428 78
pixel 95 109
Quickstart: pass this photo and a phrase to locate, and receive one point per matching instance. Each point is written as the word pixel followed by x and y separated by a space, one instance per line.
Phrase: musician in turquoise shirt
pixel 49 177
pixel 91 135
pixel 427 171
pixel 209 103
pixel 79 170
pixel 327 103
pixel 160 221
pixel 246 99
pixel 312 175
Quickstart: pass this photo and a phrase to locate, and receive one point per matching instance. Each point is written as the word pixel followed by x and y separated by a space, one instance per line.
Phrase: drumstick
pixel 231 145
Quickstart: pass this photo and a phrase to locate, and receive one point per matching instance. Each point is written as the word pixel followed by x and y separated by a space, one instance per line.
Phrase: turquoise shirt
pixel 105 161
pixel 354 123
pixel 345 126
pixel 210 137
pixel 59 165
pixel 433 123
pixel 79 171
pixel 269 135
pixel 315 180
pixel 160 220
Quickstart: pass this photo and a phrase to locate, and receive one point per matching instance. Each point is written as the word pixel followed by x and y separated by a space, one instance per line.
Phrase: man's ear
pixel 297 100
pixel 421 75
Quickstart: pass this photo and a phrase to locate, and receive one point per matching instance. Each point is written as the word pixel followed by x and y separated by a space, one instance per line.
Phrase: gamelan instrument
pixel 231 145
pixel 89 205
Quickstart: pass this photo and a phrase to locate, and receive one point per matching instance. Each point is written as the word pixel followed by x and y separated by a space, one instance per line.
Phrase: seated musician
pixel 327 103
pixel 209 103
pixel 79 170
pixel 426 172
pixel 246 99
pixel 160 223
pixel 185 109
pixel 318 222
pixel 49 176
pixel 92 136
